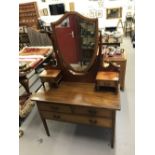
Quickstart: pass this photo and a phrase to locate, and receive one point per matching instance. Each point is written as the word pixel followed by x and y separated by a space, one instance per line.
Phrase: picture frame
pixel 114 13
pixel 45 12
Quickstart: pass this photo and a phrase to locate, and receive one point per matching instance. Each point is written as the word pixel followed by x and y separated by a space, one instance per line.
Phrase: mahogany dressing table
pixel 79 58
pixel 78 103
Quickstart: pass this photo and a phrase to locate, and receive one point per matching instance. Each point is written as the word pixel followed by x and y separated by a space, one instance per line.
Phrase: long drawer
pixel 54 107
pixel 97 121
pixel 93 111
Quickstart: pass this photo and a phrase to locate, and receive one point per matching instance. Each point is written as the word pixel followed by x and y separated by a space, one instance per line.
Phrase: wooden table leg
pixel 122 74
pixel 45 126
pixel 25 83
pixel 42 82
pixel 122 88
pixel 113 130
pixel 43 85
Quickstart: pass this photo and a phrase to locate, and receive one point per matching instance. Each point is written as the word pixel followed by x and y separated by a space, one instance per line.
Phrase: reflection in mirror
pixel 64 23
pixel 76 41
pixel 87 37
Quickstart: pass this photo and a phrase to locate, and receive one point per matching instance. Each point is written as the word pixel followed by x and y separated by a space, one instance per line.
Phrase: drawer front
pixel 54 107
pixel 93 112
pixel 97 121
pixel 107 83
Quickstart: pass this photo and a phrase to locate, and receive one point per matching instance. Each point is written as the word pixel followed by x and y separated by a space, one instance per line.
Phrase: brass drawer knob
pixel 56 116
pixel 93 121
pixel 92 111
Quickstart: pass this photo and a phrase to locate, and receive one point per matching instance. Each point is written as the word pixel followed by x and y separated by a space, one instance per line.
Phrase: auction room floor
pixel 75 139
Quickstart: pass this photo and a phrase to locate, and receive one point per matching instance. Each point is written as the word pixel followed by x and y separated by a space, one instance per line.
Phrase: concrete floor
pixel 74 139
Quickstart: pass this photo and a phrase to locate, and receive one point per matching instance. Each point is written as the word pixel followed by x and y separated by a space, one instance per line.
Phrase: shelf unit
pixel 28 15
pixel 129 25
pixel 87 38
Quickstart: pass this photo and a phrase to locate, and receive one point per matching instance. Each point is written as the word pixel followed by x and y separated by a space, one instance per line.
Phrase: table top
pixel 80 94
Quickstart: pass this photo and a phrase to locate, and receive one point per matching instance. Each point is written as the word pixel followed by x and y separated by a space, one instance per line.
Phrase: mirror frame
pixel 60 58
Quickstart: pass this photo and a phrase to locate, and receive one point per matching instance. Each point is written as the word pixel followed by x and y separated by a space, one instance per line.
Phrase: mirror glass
pixel 76 41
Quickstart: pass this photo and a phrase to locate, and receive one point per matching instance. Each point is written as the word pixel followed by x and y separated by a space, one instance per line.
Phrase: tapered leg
pixel 45 126
pixel 43 84
pixel 25 83
pixel 113 130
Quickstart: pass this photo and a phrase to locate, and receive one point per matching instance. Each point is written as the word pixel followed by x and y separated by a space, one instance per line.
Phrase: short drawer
pixel 54 107
pixel 97 121
pixel 107 83
pixel 93 112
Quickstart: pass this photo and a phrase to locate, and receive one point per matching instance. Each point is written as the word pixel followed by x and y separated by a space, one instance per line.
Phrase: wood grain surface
pixel 82 94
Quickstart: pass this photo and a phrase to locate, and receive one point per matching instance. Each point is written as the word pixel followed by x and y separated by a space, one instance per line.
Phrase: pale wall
pixel 83 7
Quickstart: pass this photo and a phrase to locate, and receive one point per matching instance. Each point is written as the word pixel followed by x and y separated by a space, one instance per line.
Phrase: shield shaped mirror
pixel 77 40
